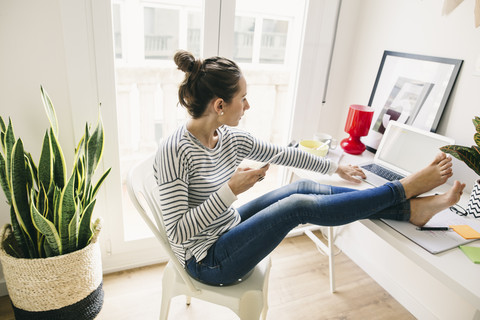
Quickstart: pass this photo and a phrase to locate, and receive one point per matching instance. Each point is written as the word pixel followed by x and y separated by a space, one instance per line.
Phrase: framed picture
pixel 411 89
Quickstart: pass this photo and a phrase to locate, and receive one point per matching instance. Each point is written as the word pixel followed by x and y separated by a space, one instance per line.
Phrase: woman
pixel 199 179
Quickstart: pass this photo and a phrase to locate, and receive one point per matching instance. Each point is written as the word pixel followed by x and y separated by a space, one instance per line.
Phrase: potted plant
pixel 471 157
pixel 50 255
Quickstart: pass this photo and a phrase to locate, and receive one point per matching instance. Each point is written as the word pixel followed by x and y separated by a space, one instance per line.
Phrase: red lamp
pixel 358 123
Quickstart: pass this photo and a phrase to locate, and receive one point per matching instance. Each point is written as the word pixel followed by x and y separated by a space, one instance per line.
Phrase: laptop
pixel 403 150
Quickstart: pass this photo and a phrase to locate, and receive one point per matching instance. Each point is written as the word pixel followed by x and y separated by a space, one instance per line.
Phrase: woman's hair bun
pixel 184 60
pixel 205 80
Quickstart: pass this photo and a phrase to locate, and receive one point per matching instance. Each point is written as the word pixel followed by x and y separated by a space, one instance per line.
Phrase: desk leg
pixel 328 250
pixel 331 256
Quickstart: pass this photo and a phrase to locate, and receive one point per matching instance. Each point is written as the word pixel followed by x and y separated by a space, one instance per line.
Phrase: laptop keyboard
pixel 382 172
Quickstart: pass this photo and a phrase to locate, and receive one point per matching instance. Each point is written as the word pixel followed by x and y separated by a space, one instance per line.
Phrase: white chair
pixel 248 298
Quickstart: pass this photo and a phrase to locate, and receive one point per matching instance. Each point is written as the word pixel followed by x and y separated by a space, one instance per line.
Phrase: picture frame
pixel 412 89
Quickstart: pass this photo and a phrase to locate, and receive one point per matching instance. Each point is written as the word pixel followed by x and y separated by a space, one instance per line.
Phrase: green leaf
pixel 2 138
pixel 81 183
pixel 50 110
pixel 57 193
pixel 85 233
pixel 85 152
pixel 14 252
pixel 476 123
pixel 47 228
pixel 48 251
pixel 20 199
pixel 452 150
pixel 33 168
pixel 43 207
pixel 477 150
pixel 2 133
pixel 42 204
pixel 9 142
pixel 73 228
pixel 471 159
pixel 476 138
pixel 99 183
pixel 3 127
pixel 45 165
pixel 95 148
pixel 41 246
pixel 31 178
pixel 66 210
pixel 9 137
pixel 59 167
pixel 79 149
pixel 3 179
pixel 19 235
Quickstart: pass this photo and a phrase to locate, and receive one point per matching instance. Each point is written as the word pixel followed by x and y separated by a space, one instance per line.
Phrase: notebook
pixel 403 150
pixel 436 241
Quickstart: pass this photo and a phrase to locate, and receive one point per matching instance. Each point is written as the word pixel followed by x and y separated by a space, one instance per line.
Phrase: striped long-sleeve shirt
pixel 195 198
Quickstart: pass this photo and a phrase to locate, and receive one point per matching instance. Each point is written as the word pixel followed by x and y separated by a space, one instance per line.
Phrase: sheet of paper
pixel 466 231
pixel 473 253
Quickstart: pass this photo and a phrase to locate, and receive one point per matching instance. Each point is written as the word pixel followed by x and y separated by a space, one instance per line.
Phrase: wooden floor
pixel 299 289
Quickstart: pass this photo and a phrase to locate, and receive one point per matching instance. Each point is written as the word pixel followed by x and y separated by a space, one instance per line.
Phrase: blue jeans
pixel 268 219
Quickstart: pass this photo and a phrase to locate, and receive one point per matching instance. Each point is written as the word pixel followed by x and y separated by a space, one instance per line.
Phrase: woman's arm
pixel 291 157
pixel 294 157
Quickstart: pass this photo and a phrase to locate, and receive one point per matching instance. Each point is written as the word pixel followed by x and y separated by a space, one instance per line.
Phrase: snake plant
pixel 469 155
pixel 50 210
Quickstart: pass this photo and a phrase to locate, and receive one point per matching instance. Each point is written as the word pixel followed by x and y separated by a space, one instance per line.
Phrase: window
pixel 243 39
pixel 117 30
pixel 161 32
pixel 274 41
pixel 147 79
pixel 260 40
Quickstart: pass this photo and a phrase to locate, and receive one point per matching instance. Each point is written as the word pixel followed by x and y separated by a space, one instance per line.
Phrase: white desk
pixel 441 286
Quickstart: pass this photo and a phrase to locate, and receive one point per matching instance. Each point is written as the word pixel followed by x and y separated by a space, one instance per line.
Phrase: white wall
pixel 368 27
pixel 32 54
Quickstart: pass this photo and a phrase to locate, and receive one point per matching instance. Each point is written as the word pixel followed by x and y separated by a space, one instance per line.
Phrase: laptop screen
pixel 407 149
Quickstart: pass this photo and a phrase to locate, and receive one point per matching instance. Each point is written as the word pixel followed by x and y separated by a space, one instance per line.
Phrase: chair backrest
pixel 142 189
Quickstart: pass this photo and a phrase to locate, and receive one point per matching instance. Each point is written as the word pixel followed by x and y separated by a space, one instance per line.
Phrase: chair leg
pixel 189 300
pixel 251 306
pixel 263 316
pixel 167 292
pixel 164 308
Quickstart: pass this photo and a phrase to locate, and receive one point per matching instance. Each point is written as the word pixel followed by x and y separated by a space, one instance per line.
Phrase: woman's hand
pixel 350 173
pixel 244 178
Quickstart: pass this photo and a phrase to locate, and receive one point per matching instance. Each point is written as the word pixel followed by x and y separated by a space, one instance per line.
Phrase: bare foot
pixel 424 208
pixel 432 176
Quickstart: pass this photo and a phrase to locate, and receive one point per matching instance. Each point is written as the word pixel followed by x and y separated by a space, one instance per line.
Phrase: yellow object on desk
pixel 314 147
pixel 466 231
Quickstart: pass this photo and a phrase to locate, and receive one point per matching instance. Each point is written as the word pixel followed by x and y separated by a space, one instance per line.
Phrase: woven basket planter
pixel 62 287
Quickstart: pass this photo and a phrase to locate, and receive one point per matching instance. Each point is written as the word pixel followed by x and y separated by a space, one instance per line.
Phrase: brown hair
pixel 205 80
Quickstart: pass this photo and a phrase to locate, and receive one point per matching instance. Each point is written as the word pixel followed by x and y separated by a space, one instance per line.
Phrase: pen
pixel 433 228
